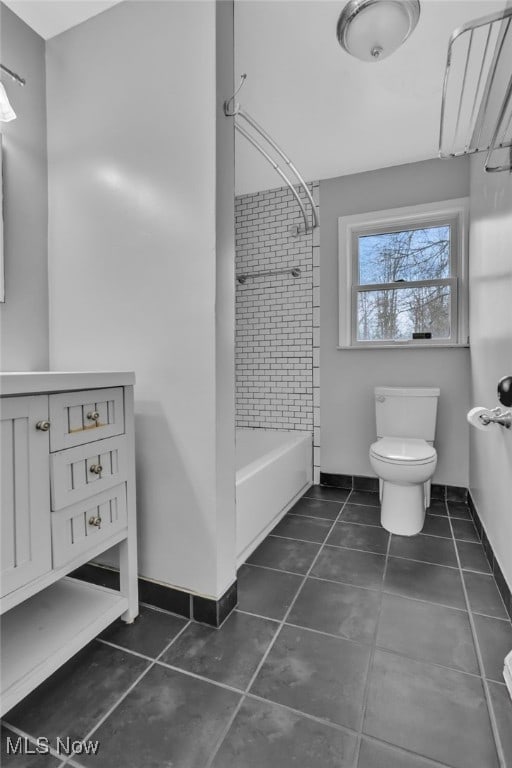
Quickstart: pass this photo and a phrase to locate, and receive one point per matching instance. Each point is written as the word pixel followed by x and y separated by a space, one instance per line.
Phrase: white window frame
pixel 350 228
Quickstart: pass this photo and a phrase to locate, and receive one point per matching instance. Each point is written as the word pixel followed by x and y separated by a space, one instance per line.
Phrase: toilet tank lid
pixel 407 391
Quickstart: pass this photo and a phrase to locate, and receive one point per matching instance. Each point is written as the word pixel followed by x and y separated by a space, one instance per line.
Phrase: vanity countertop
pixel 32 382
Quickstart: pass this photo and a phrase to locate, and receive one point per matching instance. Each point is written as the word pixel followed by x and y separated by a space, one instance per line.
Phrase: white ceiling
pixel 331 113
pixel 51 17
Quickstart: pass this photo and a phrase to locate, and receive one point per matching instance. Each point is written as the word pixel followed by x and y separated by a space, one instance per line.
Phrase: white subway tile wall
pixel 278 316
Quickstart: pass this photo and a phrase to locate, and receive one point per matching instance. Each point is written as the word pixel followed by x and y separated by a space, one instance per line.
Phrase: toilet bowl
pixel 403 455
pixel 404 465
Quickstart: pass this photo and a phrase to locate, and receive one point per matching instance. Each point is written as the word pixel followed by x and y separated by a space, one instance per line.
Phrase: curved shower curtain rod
pixel 233 109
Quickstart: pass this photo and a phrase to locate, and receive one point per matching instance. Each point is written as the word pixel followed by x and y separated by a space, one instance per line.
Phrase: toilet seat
pixel 402 450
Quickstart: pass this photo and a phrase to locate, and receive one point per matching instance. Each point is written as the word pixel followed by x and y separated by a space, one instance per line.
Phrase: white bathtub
pixel 273 469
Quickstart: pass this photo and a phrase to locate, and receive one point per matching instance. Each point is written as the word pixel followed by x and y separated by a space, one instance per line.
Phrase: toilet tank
pixel 406 412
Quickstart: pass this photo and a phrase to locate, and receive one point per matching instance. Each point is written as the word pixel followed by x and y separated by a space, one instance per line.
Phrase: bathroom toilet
pixel 403 456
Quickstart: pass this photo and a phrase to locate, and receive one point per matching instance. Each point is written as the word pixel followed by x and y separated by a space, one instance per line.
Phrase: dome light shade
pixel 372 29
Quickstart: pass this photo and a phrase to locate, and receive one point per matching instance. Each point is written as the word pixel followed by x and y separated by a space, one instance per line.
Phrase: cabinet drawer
pixel 74 530
pixel 80 417
pixel 81 472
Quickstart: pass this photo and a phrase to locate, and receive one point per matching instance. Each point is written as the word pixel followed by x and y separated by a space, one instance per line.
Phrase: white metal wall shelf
pixel 476 110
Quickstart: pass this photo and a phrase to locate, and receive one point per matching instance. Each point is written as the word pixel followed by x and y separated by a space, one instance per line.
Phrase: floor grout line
pixel 374 589
pixel 150 666
pixel 460 570
pixel 394 556
pixel 312 629
pixel 271 568
pixel 304 541
pixel 488 616
pixel 318 632
pixel 370 644
pixel 224 732
pixel 126 650
pixel 485 685
pixel 364 525
pixel 490 575
pixel 330 581
pixel 370 662
pixel 276 635
pixel 402 750
pixel 296 573
pixel 156 660
pixel 348 500
pixel 246 694
pixel 428 602
pixel 349 522
pixel 203 678
pixel 308 517
pixel 300 713
pixel 384 591
pixel 317 498
pixel 368 551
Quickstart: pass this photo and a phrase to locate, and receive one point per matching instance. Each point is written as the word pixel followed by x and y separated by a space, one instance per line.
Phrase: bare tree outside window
pixel 403 276
pixel 393 262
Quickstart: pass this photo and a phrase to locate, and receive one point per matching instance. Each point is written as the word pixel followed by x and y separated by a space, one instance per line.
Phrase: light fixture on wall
pixel 7 113
pixel 372 29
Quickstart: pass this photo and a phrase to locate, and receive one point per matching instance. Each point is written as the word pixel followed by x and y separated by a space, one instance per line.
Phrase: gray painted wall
pixel 135 279
pixel 348 376
pixel 225 298
pixel 490 276
pixel 24 315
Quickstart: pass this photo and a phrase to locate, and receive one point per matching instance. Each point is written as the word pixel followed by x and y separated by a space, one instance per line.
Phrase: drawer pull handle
pixel 93 415
pixel 95 521
pixel 96 469
pixel 43 426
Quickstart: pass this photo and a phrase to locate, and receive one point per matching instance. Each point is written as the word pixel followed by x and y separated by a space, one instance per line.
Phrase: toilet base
pixel 403 508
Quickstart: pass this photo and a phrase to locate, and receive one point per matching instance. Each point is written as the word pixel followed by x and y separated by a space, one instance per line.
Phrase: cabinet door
pixel 25 492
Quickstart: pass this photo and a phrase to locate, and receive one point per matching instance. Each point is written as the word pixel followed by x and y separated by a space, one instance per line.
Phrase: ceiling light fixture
pixel 372 29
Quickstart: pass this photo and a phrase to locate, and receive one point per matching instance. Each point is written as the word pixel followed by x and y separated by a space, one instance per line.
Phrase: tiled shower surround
pixel 277 317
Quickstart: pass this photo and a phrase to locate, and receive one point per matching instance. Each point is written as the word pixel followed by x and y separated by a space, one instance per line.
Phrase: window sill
pixel 405 345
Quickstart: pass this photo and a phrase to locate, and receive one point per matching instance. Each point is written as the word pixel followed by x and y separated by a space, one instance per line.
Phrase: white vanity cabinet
pixel 25 492
pixel 67 495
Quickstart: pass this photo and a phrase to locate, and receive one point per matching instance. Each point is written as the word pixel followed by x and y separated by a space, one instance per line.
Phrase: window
pixel 403 276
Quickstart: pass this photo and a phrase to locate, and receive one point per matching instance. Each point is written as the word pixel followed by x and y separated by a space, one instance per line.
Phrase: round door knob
pixel 96 469
pixel 505 391
pixel 43 426
pixel 95 521
pixel 93 415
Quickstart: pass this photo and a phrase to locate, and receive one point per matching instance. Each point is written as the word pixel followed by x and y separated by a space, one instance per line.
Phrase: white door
pixel 25 491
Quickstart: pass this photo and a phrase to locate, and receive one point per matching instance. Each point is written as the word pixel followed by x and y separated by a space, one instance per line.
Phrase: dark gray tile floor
pixel 350 648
